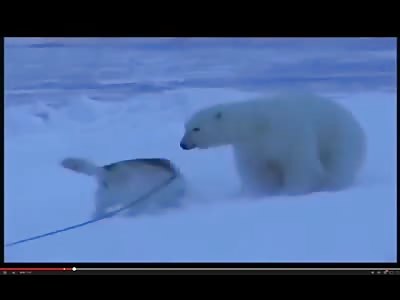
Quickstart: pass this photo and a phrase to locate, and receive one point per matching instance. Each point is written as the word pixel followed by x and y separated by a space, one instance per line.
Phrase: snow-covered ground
pixel 110 100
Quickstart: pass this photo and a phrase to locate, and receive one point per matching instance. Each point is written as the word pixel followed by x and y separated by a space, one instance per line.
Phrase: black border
pixel 263 24
pixel 2 185
pixel 222 19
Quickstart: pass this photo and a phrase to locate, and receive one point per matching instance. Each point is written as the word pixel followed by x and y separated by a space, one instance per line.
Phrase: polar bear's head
pixel 215 126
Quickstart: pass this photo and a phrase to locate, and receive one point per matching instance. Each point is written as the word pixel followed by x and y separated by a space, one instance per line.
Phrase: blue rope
pixel 105 216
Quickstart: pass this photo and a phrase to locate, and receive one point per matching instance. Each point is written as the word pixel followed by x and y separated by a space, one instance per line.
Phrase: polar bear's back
pixel 328 117
pixel 341 140
pixel 333 124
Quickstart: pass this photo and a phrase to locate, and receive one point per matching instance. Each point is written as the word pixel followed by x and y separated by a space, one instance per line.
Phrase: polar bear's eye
pixel 196 129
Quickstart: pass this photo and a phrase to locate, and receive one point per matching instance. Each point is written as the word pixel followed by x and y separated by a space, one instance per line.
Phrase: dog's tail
pixel 81 165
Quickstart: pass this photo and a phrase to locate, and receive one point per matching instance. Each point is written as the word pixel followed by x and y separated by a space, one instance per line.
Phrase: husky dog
pixel 124 183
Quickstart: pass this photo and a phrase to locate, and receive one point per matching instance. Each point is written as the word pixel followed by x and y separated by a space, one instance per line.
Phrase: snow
pixel 114 103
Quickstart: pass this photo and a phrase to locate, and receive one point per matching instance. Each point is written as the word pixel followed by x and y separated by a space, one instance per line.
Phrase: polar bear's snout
pixel 186 145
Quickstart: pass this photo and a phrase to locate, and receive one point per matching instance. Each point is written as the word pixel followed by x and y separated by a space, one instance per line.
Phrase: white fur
pixel 127 182
pixel 292 144
pixel 83 166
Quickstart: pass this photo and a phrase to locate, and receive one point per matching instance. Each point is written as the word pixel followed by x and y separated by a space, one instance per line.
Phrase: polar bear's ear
pixel 218 115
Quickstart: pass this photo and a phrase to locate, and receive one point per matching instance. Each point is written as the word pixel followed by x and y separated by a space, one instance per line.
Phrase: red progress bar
pixel 35 269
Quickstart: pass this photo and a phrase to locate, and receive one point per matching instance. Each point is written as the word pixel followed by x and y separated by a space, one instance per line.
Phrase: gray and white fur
pixel 124 182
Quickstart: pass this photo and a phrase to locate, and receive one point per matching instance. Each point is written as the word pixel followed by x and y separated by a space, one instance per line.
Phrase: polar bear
pixel 289 144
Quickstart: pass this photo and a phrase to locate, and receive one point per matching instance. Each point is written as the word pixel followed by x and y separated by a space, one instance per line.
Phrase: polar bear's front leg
pixel 303 176
pixel 272 176
pixel 259 177
pixel 262 181
pixel 299 182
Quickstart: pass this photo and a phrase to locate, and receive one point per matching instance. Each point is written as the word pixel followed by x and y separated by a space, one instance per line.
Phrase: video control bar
pixel 195 271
